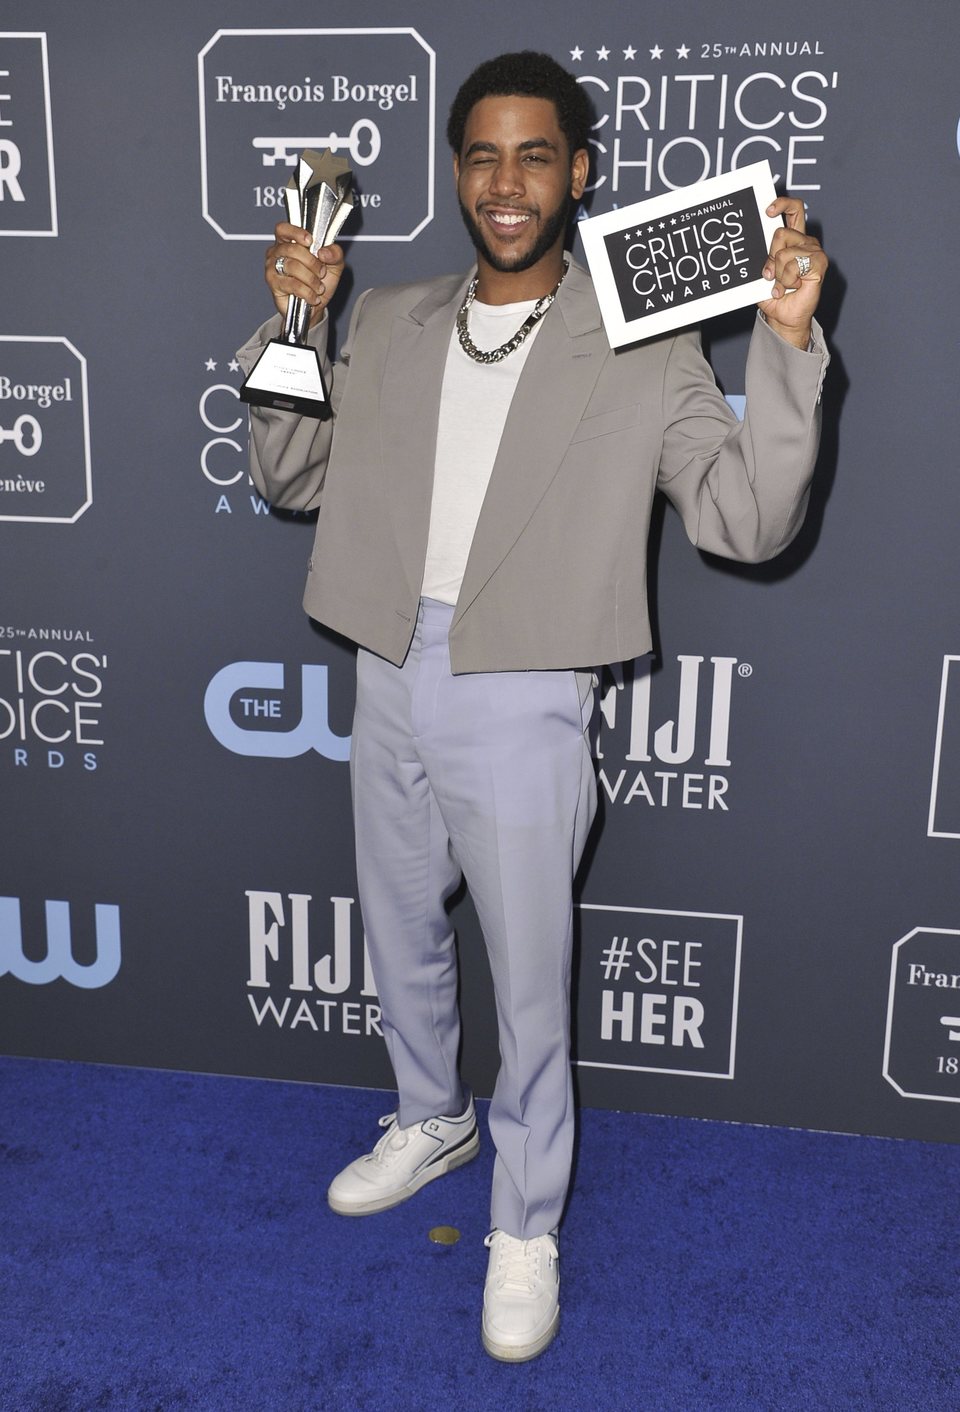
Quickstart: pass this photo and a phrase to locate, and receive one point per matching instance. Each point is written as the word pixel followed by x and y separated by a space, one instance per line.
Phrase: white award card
pixel 683 257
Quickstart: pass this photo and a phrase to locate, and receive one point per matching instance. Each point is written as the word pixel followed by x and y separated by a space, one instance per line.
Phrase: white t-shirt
pixel 474 403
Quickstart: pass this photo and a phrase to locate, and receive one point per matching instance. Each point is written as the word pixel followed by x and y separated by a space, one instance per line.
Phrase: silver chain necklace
pixel 497 355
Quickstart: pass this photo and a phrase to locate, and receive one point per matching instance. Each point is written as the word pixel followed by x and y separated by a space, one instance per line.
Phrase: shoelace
pixel 518 1261
pixel 393 1141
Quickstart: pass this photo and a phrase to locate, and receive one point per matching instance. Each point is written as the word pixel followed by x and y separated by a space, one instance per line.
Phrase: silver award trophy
pixel 287 375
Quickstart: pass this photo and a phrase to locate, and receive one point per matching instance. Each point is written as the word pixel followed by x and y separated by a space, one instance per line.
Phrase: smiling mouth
pixel 507 221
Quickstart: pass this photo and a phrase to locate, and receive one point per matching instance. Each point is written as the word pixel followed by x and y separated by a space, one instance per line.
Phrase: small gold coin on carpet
pixel 444 1235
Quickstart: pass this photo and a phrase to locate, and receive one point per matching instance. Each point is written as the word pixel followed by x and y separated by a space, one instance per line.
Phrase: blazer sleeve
pixel 741 488
pixel 289 453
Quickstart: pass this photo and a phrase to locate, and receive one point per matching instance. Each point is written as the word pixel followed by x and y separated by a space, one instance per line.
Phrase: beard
pixel 551 230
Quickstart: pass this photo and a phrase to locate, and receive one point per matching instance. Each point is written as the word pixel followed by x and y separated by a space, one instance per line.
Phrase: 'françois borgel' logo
pixel 921 1057
pixel 658 991
pixel 367 94
pixel 28 196
pixel 44 430
pixel 247 713
pixel 60 962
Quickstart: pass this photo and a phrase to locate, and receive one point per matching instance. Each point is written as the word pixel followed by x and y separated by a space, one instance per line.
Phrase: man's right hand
pixel 310 277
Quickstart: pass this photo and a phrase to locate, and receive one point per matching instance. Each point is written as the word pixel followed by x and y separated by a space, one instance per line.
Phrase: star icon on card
pixel 210 366
pixel 629 52
pixel 683 52
pixel 656 52
pixel 233 365
pixel 603 52
pixel 576 54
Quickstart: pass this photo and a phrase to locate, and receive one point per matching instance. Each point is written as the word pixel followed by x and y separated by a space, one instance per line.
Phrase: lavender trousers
pixel 488 776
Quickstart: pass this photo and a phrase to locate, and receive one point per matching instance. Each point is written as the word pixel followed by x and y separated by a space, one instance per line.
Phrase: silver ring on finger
pixel 803 265
pixel 280 265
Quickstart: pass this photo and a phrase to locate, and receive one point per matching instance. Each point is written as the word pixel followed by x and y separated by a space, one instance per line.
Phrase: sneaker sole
pixel 457 1158
pixel 521 1353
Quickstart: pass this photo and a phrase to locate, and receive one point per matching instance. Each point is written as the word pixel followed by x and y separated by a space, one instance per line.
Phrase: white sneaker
pixel 403 1161
pixel 521 1296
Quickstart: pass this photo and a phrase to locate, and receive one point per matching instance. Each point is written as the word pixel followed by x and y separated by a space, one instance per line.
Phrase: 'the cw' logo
pixel 312 732
pixel 59 961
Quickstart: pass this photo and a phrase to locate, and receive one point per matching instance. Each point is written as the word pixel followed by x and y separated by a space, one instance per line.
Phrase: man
pixel 483 487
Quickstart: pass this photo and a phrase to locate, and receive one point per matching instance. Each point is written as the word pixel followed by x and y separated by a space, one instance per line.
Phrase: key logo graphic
pixel 44 431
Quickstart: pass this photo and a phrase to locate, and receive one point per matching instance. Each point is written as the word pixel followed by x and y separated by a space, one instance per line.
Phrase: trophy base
pixel 288 378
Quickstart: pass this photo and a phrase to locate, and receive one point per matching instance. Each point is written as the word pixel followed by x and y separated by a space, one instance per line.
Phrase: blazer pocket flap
pixel 606 423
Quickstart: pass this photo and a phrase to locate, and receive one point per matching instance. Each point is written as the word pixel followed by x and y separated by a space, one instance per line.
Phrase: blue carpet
pixel 165 1245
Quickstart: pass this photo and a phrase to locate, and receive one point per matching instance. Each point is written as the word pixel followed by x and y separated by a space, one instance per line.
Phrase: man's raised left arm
pixel 742 488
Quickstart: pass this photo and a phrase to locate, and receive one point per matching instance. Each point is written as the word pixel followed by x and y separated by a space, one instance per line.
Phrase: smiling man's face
pixel 516 183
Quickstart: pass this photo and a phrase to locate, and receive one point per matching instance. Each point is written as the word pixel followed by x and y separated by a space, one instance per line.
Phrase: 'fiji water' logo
pixel 663 744
pixel 310 967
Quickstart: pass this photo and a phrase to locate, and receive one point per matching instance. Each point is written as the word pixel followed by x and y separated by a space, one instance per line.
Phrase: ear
pixel 456 167
pixel 579 171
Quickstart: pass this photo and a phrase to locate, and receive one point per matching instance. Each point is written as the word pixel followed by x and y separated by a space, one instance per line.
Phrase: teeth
pixel 505 220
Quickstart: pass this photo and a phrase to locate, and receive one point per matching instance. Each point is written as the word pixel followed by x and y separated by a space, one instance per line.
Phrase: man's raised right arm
pixel 288 453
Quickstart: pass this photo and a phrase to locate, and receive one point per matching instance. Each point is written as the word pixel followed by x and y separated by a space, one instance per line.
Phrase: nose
pixel 506 178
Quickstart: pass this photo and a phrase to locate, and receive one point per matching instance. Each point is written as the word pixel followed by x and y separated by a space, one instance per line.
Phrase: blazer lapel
pixel 410 411
pixel 554 388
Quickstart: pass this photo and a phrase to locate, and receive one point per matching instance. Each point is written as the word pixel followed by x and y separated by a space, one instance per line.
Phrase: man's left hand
pixel 794 296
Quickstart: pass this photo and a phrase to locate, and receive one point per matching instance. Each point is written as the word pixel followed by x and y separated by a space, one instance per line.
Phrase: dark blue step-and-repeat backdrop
pixel 769 920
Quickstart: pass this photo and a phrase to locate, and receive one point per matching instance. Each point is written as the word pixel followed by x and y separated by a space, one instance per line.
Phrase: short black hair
pixel 527 75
